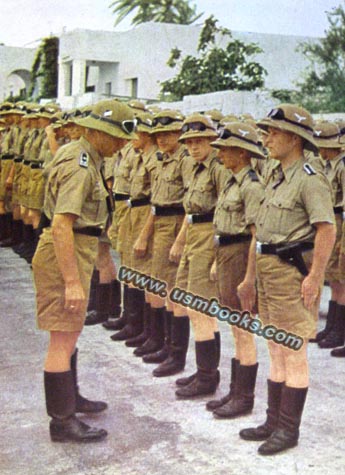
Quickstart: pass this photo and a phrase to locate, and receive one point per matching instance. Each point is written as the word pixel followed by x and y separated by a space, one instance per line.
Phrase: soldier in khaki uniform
pixel 234 223
pixel 76 211
pixel 163 225
pixel 290 222
pixel 141 178
pixel 331 163
pixel 11 115
pixel 197 236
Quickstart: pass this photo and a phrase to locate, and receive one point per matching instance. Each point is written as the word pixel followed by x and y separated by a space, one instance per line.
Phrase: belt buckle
pixel 343 214
pixel 153 210
pixel 189 218
pixel 129 203
pixel 216 240
pixel 258 247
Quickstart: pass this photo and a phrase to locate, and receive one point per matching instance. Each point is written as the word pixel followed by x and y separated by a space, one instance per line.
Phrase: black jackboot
pixel 263 431
pixel 82 404
pixel 3 228
pixel 121 322
pixel 336 336
pixel 156 340
pixel 26 237
pixel 243 400
pixel 206 380
pixel 91 306
pixel 114 309
pixel 176 359
pixel 215 403
pixel 145 334
pixel 188 379
pixel 134 326
pixel 286 434
pixel 60 402
pixel 162 354
pixel 330 318
pixel 17 235
pixel 102 306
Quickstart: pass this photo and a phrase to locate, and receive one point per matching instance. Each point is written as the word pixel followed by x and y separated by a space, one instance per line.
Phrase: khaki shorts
pixel 335 272
pixel 24 186
pixel 16 182
pixel 231 269
pixel 280 301
pixel 121 209
pixel 138 218
pixel 198 256
pixel 36 188
pixel 50 286
pixel 166 229
pixel 6 166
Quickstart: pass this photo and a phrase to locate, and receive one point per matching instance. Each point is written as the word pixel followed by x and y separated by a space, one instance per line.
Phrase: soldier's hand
pixel 176 252
pixel 75 299
pixel 310 291
pixel 140 247
pixel 9 183
pixel 213 271
pixel 246 292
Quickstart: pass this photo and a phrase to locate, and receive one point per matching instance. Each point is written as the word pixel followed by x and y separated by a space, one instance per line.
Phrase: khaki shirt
pixel 239 203
pixel 122 170
pixel 75 185
pixel 294 200
pixel 7 141
pixel 172 178
pixel 36 145
pixel 335 172
pixel 268 168
pixel 206 182
pixel 45 156
pixel 19 150
pixel 142 174
pixel 31 136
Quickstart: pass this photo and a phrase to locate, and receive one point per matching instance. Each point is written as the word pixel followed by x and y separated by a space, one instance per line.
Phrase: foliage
pixel 161 11
pixel 215 68
pixel 44 71
pixel 323 88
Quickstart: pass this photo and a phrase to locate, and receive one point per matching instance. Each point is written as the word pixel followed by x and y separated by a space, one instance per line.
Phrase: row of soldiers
pixel 179 166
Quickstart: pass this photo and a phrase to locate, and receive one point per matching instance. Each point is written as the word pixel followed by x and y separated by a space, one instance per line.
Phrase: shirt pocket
pixel 281 215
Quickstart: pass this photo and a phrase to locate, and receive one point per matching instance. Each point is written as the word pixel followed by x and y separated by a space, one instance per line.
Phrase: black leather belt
pixel 200 218
pixel 338 210
pixel 18 160
pixel 139 202
pixel 226 240
pixel 7 156
pixel 36 165
pixel 120 197
pixel 26 162
pixel 167 211
pixel 262 248
pixel 89 231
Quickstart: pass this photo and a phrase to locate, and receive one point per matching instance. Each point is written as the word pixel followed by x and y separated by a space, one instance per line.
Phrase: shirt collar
pixel 240 176
pixel 95 156
pixel 291 170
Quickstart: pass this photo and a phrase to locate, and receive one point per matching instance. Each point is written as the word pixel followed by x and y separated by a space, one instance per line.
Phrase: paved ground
pixel 149 431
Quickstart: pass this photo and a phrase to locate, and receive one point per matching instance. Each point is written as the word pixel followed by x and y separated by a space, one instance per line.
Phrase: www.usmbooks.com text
pixel 211 308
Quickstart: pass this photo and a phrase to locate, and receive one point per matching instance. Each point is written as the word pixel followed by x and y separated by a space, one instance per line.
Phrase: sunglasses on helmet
pixel 128 126
pixel 278 114
pixel 196 126
pixel 164 121
pixel 225 134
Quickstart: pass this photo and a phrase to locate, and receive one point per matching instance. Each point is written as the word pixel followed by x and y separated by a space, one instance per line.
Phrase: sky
pixel 24 22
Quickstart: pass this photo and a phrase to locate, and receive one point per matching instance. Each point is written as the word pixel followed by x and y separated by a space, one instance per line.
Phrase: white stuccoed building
pixel 98 64
pixel 94 65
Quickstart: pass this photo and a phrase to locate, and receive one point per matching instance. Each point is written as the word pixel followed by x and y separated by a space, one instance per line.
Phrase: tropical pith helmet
pixel 291 118
pixel 327 135
pixel 241 135
pixel 144 121
pixel 111 117
pixel 198 126
pixel 167 121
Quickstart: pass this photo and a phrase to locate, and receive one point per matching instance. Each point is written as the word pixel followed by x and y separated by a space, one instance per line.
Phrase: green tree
pixel 215 68
pixel 44 71
pixel 161 11
pixel 323 88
